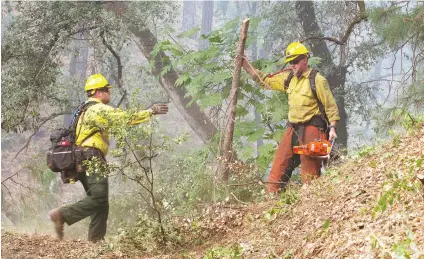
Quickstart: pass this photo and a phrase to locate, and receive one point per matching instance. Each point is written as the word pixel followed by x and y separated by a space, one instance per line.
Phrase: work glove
pixel 159 108
pixel 332 135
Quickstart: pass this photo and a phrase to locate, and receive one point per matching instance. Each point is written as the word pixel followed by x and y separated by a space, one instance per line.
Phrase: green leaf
pixel 266 149
pixel 182 79
pixel 215 39
pixel 211 66
pixel 176 51
pixel 278 135
pixel 189 33
pixel 193 99
pixel 231 24
pixel 326 224
pixel 419 162
pixel 279 114
pixel 210 100
pixel 314 61
pixel 245 128
pixel 256 135
pixel 253 23
pixel 241 111
pixel 165 70
pixel 267 216
pixel 248 151
pixel 220 77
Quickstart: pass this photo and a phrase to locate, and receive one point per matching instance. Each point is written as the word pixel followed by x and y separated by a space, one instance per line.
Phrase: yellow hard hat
pixel 294 50
pixel 96 81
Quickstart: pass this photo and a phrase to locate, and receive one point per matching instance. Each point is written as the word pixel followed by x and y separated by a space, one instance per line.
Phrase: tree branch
pixel 52 116
pixel 7 178
pixel 118 60
pixel 362 16
pixel 351 26
pixel 322 39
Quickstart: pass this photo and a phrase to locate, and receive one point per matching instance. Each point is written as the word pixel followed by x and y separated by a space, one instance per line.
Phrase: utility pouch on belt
pixel 86 153
pixel 78 160
pixel 299 128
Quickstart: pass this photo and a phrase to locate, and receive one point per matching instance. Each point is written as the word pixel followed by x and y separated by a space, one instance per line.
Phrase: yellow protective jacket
pixel 302 102
pixel 98 117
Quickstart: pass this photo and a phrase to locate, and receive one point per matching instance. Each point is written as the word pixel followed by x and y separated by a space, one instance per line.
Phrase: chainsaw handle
pixel 333 141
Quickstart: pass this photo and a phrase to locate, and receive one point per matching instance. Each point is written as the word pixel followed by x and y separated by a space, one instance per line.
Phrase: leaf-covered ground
pixel 17 245
pixel 371 206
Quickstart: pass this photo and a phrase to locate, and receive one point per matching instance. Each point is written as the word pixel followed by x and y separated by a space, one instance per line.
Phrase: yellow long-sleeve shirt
pixel 99 117
pixel 302 102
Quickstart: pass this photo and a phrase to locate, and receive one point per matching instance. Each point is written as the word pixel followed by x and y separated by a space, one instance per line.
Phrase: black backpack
pixel 61 155
pixel 312 83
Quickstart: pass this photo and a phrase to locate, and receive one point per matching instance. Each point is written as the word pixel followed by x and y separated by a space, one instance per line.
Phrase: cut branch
pixel 229 131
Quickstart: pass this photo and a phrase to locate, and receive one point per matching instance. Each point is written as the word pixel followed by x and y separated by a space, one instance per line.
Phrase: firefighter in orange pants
pixel 312 113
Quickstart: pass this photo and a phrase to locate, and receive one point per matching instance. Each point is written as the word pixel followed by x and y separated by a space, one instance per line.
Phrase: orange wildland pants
pixel 285 161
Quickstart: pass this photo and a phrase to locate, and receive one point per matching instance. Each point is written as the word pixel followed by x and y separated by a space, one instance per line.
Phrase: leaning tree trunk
pixel 197 119
pixel 146 41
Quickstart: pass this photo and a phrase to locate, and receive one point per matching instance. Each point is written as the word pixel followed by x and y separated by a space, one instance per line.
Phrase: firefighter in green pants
pixel 93 140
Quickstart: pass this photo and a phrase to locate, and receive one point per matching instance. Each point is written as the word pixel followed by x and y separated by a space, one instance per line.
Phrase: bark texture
pixel 228 155
pixel 146 41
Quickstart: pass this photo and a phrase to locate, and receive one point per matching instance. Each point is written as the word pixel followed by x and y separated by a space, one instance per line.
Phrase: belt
pixel 299 128
pixel 88 152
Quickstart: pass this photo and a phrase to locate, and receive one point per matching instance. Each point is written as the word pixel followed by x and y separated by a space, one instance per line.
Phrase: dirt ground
pixel 370 206
pixel 17 245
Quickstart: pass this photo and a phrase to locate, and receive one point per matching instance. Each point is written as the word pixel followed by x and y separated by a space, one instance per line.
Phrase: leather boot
pixel 58 221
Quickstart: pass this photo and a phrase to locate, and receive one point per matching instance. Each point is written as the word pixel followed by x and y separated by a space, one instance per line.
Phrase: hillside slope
pixel 370 206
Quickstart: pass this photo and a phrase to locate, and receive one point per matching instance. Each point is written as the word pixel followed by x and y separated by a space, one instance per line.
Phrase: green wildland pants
pixel 95 205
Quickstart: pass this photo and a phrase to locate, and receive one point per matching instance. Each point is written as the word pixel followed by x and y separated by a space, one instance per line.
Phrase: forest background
pixel 182 53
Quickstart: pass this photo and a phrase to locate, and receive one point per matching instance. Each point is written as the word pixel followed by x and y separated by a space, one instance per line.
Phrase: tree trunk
pixel 222 7
pixel 227 156
pixel 77 70
pixel 336 75
pixel 337 81
pixel 207 17
pixel 72 70
pixel 197 119
pixel 189 15
pixel 146 41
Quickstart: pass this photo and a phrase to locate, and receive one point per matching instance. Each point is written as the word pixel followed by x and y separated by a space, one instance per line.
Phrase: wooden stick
pixel 231 114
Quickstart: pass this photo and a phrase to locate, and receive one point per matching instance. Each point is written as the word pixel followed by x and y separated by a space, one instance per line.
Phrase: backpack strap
pixel 81 111
pixel 312 83
pixel 288 79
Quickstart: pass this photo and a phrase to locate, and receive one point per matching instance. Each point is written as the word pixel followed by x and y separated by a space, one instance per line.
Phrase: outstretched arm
pixel 274 81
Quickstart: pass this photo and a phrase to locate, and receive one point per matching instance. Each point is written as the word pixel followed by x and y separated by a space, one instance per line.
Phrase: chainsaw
pixel 319 149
